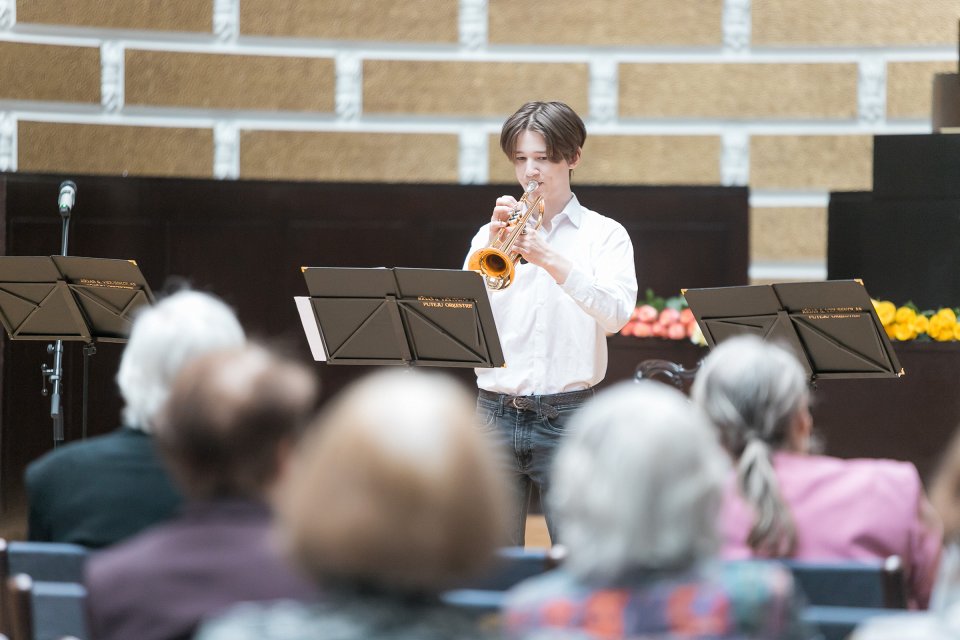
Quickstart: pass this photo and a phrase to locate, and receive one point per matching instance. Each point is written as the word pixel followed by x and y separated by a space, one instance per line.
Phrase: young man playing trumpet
pixel 579 283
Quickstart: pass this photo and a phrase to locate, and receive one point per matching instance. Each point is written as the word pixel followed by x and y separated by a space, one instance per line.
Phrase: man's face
pixel 530 162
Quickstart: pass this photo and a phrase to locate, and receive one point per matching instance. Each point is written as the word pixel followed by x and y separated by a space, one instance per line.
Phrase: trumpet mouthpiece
pixel 532 186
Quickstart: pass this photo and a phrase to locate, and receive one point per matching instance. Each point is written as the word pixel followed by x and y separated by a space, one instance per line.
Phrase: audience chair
pixel 666 371
pixel 513 565
pixel 842 594
pixel 45 610
pixel 44 561
pixel 41 561
pixel 869 584
pixel 483 597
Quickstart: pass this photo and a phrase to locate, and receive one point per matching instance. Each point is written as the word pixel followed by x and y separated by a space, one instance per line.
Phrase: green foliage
pixel 679 303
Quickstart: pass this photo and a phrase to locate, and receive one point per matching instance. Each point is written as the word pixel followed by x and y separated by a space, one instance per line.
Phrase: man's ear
pixel 801 429
pixel 576 158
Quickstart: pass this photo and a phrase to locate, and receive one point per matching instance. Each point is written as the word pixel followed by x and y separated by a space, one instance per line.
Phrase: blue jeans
pixel 527 430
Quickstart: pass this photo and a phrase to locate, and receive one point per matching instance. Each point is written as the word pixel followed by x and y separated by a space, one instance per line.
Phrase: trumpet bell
pixel 496 267
pixel 497 262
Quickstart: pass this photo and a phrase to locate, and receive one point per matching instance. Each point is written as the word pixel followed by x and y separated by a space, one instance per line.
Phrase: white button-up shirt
pixel 554 337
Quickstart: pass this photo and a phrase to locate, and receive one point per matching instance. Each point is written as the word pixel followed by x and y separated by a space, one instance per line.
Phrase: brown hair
pixel 560 126
pixel 394 487
pixel 228 416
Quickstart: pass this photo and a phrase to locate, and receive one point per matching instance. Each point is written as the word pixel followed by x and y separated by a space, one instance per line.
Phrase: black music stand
pixel 398 316
pixel 70 298
pixel 831 326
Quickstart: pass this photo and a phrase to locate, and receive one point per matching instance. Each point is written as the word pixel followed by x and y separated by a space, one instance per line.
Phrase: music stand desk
pixel 831 326
pixel 70 298
pixel 400 316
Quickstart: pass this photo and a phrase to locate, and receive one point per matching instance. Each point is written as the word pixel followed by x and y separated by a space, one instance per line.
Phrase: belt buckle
pixel 515 402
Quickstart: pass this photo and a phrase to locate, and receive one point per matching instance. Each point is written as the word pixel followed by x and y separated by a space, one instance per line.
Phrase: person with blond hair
pixel 636 490
pixel 786 502
pixel 392 498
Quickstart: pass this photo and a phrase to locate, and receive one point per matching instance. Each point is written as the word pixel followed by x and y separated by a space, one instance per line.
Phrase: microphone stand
pixel 55 373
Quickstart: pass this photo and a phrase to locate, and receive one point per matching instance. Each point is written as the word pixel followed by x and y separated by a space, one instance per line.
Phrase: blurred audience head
pixel 637 484
pixel 231 419
pixel 756 395
pixel 394 487
pixel 164 338
pixel 945 491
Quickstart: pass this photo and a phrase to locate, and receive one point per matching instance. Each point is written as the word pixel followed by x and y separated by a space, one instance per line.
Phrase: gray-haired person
pixel 786 501
pixel 98 491
pixel 636 490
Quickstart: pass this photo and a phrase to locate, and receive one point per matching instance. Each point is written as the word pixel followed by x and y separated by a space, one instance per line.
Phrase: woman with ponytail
pixel 785 501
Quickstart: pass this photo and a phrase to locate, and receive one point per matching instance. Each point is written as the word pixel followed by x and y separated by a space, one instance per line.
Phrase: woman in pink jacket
pixel 786 502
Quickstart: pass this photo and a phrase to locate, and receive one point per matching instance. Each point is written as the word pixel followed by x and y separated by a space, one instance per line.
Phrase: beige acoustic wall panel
pixel 632 160
pixel 49 72
pixel 114 150
pixel 349 157
pixel 910 87
pixel 811 162
pixel 682 90
pixel 373 20
pixel 606 22
pixel 220 81
pixel 165 15
pixel 788 234
pixel 854 22
pixel 494 89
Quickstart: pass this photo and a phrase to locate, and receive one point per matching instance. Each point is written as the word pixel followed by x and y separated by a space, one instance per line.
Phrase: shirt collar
pixel 573 211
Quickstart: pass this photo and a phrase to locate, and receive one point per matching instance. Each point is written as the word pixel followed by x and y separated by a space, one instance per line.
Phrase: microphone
pixel 68 196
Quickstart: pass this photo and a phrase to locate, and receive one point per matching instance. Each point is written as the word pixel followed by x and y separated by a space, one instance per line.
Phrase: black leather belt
pixel 546 404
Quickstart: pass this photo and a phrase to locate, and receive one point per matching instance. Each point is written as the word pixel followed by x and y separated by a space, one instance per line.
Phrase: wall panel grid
pixel 780 95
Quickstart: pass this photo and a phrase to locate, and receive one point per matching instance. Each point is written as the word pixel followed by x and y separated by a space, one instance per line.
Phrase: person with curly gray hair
pixel 787 502
pixel 99 491
pixel 636 491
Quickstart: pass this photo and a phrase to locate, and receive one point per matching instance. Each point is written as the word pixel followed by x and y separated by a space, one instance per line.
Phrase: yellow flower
pixel 904 332
pixel 946 333
pixel 887 312
pixel 956 331
pixel 891 331
pixel 946 321
pixel 905 315
pixel 948 315
pixel 934 326
pixel 920 324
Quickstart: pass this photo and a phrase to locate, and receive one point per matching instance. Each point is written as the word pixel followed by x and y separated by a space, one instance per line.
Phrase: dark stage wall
pixel 246 241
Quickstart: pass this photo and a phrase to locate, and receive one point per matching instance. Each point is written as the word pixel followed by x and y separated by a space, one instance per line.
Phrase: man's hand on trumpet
pixel 501 214
pixel 533 248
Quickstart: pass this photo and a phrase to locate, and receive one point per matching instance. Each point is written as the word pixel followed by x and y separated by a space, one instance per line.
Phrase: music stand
pixel 399 316
pixel 831 326
pixel 70 298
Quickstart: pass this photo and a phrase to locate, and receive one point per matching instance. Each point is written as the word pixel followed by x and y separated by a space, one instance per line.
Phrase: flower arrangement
pixel 658 317
pixel 910 323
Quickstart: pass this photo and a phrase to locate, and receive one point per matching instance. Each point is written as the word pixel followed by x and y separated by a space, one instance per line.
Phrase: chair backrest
pixel 512 565
pixel 46 610
pixel 861 583
pixel 47 561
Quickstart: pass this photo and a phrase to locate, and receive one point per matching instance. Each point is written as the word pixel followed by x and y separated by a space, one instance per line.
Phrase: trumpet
pixel 497 262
